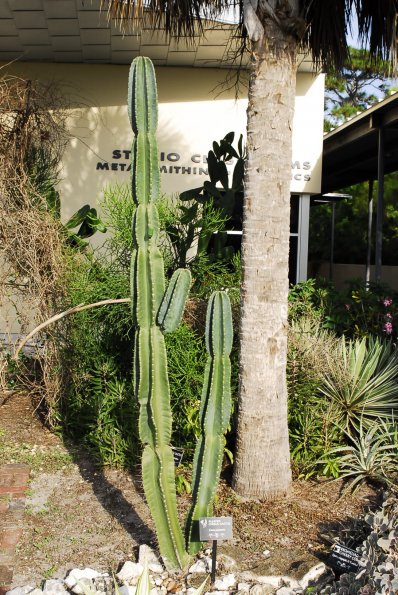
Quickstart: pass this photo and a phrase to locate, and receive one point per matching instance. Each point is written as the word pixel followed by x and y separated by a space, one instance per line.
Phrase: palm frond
pixel 179 18
pixel 329 21
pixel 377 25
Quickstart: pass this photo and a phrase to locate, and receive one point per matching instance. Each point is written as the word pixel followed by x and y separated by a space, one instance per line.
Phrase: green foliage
pixel 186 359
pixel 312 429
pixel 340 388
pixel 228 199
pixel 371 456
pixel 86 218
pixel 97 407
pixel 361 385
pixel 358 311
pixel 357 87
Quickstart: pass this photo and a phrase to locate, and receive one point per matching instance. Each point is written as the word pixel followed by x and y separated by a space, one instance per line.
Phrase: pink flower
pixel 387 302
pixel 388 315
pixel 388 328
pixel 347 306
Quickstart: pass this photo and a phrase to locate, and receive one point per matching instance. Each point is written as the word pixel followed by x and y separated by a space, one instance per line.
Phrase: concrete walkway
pixel 13 484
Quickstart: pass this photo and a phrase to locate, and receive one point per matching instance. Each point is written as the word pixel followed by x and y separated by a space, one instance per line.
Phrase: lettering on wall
pixel 171 162
pixel 121 162
pixel 301 171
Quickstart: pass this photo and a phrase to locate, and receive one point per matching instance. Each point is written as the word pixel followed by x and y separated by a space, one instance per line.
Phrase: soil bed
pixel 78 515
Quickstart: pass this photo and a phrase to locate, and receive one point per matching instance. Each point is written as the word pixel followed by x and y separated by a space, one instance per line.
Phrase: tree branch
pixel 56 317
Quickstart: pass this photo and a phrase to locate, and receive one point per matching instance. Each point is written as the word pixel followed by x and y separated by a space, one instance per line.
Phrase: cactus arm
pixel 173 303
pixel 214 414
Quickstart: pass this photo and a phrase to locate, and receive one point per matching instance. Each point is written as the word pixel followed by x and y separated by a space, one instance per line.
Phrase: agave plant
pixel 364 383
pixel 371 456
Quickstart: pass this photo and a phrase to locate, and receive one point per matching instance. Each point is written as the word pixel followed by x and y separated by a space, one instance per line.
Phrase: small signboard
pixel 215 528
pixel 178 453
pixel 344 558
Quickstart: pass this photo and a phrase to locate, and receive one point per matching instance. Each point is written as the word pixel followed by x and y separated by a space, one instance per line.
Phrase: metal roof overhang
pixel 350 152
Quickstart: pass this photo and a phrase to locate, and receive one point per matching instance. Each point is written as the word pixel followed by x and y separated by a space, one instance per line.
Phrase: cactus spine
pixel 155 312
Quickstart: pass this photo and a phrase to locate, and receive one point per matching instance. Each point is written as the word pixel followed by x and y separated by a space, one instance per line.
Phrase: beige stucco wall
pixel 347 272
pixel 194 110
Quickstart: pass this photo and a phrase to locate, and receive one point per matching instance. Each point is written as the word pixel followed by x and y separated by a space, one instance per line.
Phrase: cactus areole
pixel 155 312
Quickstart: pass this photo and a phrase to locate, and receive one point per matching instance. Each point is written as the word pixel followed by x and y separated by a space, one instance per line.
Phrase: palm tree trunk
pixel 262 462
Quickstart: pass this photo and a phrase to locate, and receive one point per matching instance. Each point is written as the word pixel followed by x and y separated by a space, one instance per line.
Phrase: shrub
pixel 372 456
pixel 361 383
pixel 312 429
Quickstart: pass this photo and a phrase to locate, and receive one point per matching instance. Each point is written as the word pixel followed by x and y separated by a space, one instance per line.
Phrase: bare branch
pixel 56 317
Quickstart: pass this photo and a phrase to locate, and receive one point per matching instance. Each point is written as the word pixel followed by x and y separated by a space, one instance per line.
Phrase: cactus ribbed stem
pixel 214 415
pixel 155 312
pixel 148 292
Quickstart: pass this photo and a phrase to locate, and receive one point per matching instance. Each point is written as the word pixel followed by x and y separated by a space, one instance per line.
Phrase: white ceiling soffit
pixel 76 31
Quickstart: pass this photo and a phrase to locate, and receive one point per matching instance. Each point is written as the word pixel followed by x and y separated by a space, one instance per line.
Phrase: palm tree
pixel 276 30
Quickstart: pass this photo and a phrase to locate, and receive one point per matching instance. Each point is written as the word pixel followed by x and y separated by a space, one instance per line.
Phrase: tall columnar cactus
pixel 215 412
pixel 155 312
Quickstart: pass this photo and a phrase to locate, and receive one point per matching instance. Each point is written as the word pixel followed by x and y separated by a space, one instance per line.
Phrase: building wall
pixel 195 108
pixel 342 273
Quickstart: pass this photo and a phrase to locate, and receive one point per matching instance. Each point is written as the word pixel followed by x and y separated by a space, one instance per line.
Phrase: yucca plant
pixel 362 382
pixel 371 456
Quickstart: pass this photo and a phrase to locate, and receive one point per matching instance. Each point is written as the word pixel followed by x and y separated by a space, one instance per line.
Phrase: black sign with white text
pixel 215 528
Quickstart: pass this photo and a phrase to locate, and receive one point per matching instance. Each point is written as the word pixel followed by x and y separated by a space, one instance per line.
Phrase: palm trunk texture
pixel 262 462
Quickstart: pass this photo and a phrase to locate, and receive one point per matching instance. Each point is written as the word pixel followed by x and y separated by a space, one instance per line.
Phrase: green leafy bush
pixel 312 428
pixel 361 383
pixel 371 456
pixel 358 311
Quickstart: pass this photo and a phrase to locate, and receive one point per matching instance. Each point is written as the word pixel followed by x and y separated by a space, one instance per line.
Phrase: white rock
pixel 209 563
pixel 243 587
pixel 199 567
pixel 313 574
pixel 127 590
pixel 129 571
pixel 291 583
pixel 225 583
pixel 285 591
pixel 262 590
pixel 36 592
pixel 84 585
pixel 153 592
pixel 248 576
pixel 77 574
pixel 158 582
pixel 20 590
pixel 146 554
pixel 54 586
pixel 266 553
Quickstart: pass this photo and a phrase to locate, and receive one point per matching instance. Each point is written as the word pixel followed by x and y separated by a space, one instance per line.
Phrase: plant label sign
pixel 215 528
pixel 344 558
